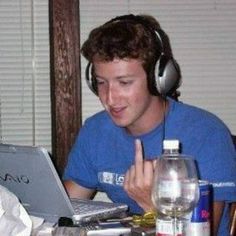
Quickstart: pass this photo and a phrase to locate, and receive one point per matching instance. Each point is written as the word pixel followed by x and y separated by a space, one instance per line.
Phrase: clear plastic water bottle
pixel 171 148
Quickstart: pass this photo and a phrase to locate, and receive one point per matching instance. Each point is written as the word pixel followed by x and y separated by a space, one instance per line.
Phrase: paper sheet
pixel 14 220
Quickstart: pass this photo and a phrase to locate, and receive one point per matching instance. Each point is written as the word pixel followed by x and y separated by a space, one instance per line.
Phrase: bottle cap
pixel 171 144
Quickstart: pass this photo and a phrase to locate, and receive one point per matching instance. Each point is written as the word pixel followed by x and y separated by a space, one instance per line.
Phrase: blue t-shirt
pixel 103 152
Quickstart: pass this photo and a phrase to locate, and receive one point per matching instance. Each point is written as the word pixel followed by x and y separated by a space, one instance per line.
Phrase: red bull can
pixel 199 223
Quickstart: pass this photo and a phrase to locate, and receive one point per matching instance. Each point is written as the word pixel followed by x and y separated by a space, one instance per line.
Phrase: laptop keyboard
pixel 89 210
pixel 89 206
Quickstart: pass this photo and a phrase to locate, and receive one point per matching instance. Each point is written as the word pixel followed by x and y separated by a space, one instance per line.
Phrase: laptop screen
pixel 29 173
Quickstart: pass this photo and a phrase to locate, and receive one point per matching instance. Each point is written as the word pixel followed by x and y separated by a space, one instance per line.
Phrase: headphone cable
pixel 164 122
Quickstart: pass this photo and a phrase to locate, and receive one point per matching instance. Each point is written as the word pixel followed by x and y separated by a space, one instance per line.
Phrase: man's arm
pixel 76 191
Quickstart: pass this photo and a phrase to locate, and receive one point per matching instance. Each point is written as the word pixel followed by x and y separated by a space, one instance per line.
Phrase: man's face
pixel 123 91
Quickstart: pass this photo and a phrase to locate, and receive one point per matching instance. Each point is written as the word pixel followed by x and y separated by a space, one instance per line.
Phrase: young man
pixel 116 149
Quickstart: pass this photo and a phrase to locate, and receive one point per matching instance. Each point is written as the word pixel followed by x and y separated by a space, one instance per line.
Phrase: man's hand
pixel 139 178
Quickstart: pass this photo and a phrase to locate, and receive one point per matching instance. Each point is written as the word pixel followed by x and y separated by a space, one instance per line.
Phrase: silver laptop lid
pixel 29 173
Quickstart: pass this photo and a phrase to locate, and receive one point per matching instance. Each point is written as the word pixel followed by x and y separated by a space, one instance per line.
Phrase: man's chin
pixel 119 123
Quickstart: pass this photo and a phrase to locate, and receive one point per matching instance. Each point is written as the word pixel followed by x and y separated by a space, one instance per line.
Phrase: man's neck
pixel 152 118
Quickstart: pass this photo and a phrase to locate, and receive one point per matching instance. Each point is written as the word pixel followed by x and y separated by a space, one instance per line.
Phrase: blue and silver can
pixel 199 223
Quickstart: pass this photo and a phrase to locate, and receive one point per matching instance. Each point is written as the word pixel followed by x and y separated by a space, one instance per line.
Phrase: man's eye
pixel 99 82
pixel 125 82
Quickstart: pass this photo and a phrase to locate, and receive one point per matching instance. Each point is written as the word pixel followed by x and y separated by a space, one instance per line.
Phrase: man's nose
pixel 112 95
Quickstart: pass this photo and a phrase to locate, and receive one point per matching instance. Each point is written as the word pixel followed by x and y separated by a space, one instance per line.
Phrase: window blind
pixel 24 73
pixel 203 39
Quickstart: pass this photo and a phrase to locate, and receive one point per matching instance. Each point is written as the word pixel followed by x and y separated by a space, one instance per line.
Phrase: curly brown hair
pixel 127 36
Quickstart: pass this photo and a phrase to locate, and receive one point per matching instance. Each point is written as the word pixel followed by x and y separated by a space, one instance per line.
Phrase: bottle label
pixel 165 228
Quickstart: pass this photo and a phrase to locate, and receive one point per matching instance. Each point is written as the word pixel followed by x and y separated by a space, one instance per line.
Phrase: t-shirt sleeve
pixel 218 164
pixel 81 164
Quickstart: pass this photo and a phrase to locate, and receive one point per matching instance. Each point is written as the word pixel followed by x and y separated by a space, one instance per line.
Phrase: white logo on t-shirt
pixel 111 178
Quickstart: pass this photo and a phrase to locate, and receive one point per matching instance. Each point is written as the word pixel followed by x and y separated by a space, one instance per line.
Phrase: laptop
pixel 29 173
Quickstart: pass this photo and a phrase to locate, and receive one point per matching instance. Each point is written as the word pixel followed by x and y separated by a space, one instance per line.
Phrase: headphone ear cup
pixel 167 75
pixel 91 82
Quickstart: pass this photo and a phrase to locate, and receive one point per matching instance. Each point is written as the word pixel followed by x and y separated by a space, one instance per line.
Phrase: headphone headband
pixel 139 19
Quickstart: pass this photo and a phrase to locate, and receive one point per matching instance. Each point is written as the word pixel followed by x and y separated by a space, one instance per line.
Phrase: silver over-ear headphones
pixel 167 73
